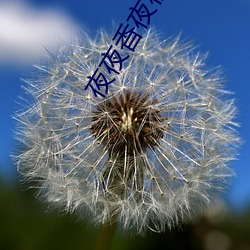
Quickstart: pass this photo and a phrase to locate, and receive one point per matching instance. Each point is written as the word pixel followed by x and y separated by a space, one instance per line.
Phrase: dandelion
pixel 152 153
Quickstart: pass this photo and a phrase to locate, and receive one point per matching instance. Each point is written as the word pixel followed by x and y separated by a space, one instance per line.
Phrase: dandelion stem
pixel 105 236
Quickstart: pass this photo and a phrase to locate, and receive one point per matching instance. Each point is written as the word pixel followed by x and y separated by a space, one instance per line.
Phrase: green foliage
pixel 25 225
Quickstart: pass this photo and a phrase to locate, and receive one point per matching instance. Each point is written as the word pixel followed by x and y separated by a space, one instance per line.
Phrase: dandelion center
pixel 128 124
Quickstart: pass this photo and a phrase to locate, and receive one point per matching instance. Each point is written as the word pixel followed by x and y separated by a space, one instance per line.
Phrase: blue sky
pixel 221 27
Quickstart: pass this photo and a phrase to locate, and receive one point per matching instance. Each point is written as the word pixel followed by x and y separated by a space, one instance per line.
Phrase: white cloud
pixel 25 31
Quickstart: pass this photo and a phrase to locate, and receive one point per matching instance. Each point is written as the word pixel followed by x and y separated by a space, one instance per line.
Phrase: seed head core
pixel 127 123
pixel 131 121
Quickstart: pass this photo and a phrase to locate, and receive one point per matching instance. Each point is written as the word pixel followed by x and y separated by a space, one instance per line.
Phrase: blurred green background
pixel 26 225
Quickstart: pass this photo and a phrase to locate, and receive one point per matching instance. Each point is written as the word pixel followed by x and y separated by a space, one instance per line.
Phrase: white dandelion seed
pixel 150 154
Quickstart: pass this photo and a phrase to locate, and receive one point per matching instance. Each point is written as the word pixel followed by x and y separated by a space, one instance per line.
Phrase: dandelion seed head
pixel 152 153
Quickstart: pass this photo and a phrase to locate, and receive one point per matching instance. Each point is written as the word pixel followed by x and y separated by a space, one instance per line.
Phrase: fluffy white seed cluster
pixel 150 154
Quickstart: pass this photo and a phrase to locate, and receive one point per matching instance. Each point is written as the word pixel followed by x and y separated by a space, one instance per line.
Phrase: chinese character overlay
pixel 129 39
pixel 141 12
pixel 113 59
pixel 99 83
pixel 124 37
pixel 152 1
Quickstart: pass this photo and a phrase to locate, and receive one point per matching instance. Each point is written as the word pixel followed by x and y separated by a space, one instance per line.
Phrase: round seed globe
pixel 149 150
